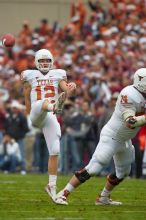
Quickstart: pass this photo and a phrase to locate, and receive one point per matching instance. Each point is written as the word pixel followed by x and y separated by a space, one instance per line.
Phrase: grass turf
pixel 23 197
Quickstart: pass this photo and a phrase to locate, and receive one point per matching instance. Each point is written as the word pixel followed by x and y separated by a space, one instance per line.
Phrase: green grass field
pixel 23 197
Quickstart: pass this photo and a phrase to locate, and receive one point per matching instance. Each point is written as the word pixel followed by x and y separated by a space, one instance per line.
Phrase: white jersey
pixel 129 98
pixel 43 86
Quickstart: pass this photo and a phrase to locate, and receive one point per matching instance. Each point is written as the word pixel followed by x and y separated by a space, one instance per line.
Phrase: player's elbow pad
pixel 136 121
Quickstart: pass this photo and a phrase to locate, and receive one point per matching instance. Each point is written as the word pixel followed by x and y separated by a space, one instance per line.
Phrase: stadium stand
pixel 100 47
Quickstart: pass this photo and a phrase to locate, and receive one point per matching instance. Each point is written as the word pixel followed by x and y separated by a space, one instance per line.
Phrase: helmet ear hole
pixel 44 60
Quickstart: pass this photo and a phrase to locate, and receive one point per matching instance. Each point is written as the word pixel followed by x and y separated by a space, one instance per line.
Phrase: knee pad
pixel 94 167
pixel 82 175
pixel 54 149
pixel 123 171
pixel 113 180
pixel 103 157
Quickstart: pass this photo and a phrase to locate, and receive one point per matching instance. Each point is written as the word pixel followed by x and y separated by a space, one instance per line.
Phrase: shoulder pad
pixel 60 74
pixel 26 75
pixel 126 95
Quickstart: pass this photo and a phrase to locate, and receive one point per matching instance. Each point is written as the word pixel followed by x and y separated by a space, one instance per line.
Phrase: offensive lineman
pixel 115 141
pixel 43 103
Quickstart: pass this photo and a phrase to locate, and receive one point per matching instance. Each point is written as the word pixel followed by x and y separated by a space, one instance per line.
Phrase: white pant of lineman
pixel 49 125
pixel 122 152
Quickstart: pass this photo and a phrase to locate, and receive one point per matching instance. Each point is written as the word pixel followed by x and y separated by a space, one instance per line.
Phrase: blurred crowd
pixel 100 48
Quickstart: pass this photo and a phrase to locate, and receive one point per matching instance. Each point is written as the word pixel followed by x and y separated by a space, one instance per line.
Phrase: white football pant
pixel 49 125
pixel 123 154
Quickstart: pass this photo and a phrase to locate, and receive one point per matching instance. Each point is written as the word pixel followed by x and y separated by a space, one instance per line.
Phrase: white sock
pixel 69 187
pixel 105 192
pixel 52 180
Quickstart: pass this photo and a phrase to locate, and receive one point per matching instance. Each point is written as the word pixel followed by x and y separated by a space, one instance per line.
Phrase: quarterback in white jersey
pixel 115 141
pixel 43 102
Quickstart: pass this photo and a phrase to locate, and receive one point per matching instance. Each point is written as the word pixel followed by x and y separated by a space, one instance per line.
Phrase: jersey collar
pixel 143 94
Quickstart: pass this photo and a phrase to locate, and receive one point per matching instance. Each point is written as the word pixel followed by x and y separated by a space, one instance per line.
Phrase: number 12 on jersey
pixel 49 91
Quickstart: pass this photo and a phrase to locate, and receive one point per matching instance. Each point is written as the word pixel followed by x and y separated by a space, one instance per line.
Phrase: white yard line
pixel 75 218
pixel 126 211
pixel 20 190
pixel 49 218
pixel 25 200
pixel 67 211
pixel 7 182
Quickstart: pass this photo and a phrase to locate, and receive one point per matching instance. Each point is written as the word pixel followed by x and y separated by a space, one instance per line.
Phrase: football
pixel 8 40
